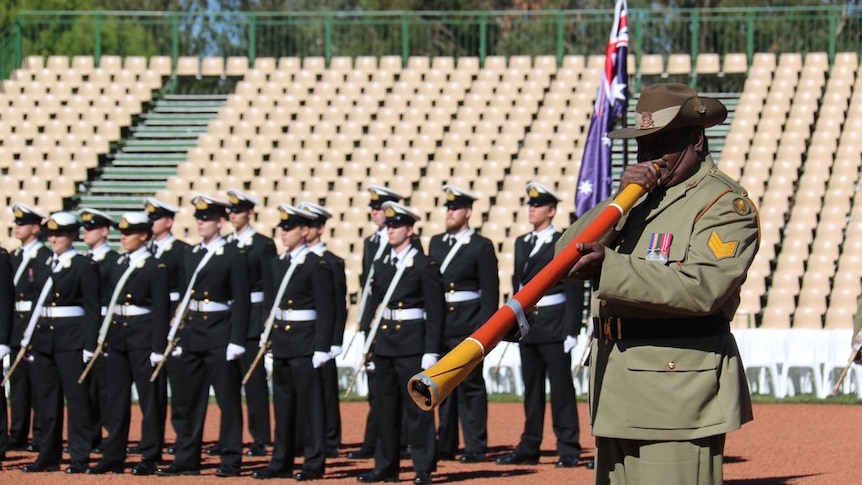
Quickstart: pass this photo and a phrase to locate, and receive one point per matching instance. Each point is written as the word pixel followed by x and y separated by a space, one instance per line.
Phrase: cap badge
pixel 390 212
pixel 201 205
pixel 285 216
pixel 124 224
pixel 375 196
pixel 87 217
pixel 450 196
pixel 534 193
pixel 700 107
pixel 52 225
pixel 234 200
pixel 646 120
pixel 19 213
pixel 150 208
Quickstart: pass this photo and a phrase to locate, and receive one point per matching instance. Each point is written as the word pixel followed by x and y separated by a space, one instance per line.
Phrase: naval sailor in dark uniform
pixel 408 340
pixel 7 311
pixel 212 342
pixel 546 350
pixel 300 339
pixel 62 342
pixel 134 343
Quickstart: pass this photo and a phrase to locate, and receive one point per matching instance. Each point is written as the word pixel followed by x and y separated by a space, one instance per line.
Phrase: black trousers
pixel 122 369
pixel 179 406
pixel 199 371
pixel 332 411
pixel 98 396
pixel 469 404
pixel 537 362
pixel 21 404
pixel 55 378
pixel 297 389
pixel 392 402
pixel 256 395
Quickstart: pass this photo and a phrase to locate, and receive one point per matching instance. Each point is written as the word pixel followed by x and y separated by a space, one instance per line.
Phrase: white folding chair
pixel 801 369
pixel 502 370
pixel 761 350
pixel 838 349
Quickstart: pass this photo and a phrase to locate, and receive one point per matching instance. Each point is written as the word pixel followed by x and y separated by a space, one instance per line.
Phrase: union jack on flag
pixel 595 179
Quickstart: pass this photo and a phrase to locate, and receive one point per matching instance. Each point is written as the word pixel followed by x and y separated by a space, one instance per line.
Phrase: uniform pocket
pixel 672 388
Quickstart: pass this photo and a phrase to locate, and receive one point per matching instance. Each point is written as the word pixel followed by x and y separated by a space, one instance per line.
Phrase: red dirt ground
pixel 786 444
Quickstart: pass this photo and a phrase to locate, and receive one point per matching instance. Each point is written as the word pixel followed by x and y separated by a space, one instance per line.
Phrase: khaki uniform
pixel 664 366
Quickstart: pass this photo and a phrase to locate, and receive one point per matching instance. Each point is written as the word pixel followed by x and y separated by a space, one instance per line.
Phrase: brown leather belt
pixel 613 328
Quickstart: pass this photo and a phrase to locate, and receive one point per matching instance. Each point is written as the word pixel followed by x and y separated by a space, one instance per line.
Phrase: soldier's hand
pixel 177 352
pixel 370 368
pixel 590 264
pixel 233 352
pixel 570 343
pixel 429 360
pixel 4 351
pixel 335 351
pixel 155 358
pixel 86 355
pixel 645 174
pixel 319 358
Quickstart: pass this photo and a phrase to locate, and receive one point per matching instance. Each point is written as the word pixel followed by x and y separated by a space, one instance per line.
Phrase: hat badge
pixel 124 224
pixel 700 107
pixel 375 196
pixel 52 225
pixel 150 208
pixel 87 217
pixel 390 212
pixel 285 216
pixel 450 196
pixel 646 120
pixel 534 193
pixel 201 205
pixel 19 213
pixel 234 200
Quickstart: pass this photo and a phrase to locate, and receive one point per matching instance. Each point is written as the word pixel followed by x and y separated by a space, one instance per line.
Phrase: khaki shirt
pixel 669 387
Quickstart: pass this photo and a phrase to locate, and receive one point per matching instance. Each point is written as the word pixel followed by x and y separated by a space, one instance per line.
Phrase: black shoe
pixel 377 476
pixel 227 472
pixel 32 448
pixel 406 453
pixel 104 467
pixel 422 478
pixel 360 454
pixel 171 450
pixel 591 464
pixel 40 467
pixel 445 456
pixel 75 468
pixel 214 451
pixel 145 467
pixel 472 457
pixel 133 450
pixel 269 473
pixel 567 461
pixel 332 452
pixel 256 449
pixel 175 471
pixel 306 475
pixel 516 458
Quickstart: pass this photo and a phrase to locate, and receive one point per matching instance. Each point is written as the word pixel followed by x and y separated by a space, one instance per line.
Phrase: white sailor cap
pixel 457 198
pixel 380 194
pixel 94 219
pixel 399 215
pixel 63 222
pixel 25 215
pixel 322 214
pixel 157 209
pixel 240 202
pixel 133 222
pixel 208 208
pixel 290 217
pixel 540 195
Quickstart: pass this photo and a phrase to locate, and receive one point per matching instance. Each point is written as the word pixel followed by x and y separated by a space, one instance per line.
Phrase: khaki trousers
pixel 637 462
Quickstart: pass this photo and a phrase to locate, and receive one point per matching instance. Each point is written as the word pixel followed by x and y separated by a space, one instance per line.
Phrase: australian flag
pixel 595 179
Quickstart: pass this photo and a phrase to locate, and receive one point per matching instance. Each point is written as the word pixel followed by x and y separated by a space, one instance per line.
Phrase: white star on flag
pixel 585 188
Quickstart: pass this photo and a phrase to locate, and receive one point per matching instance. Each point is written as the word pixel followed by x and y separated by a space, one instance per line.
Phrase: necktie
pixel 375 238
pixel 151 247
pixel 90 254
pixel 395 261
pixel 55 263
pixel 451 241
pixel 533 241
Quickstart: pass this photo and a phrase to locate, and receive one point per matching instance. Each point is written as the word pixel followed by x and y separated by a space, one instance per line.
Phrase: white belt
pixel 23 306
pixel 131 310
pixel 295 315
pixel 459 296
pixel 404 314
pixel 208 306
pixel 62 311
pixel 103 310
pixel 174 295
pixel 550 300
pixel 257 297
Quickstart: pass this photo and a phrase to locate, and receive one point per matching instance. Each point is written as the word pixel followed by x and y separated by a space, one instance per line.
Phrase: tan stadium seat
pixel 33 62
pixel 160 65
pixel 468 64
pixel 391 64
pixel 735 63
pixel 212 66
pixel 236 66
pixel 84 63
pixel 188 66
pixel 342 64
pixel 678 64
pixel 111 64
pixel 651 65
pixel 265 65
pixel 367 64
pixel 57 63
pixel 289 64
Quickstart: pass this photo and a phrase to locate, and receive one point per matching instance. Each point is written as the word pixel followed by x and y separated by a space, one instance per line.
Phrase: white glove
pixel 428 360
pixel 569 343
pixel 369 368
pixel 233 352
pixel 155 359
pixel 177 352
pixel 319 358
pixel 335 351
pixel 4 351
pixel 87 355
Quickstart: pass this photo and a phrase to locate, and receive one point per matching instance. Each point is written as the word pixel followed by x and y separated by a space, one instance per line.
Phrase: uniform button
pixel 38 327
pixel 206 300
pixel 125 324
pixel 275 326
pixel 384 327
pixel 114 322
pixel 193 292
pixel 397 327
pixel 452 286
pixel 206 294
pixel 56 295
pixel 287 328
pixel 289 302
pixel 671 365
pixel 21 295
pixel 451 309
pixel 53 303
pixel 51 328
pixel 205 318
pixel 400 304
pixel 128 296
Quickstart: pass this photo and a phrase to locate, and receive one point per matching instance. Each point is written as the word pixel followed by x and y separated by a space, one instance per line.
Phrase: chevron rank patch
pixel 720 248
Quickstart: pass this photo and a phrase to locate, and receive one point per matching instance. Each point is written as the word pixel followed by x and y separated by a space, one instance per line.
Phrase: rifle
pixel 28 332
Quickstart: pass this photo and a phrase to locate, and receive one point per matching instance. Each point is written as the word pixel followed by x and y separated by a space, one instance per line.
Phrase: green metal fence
pixel 275 34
